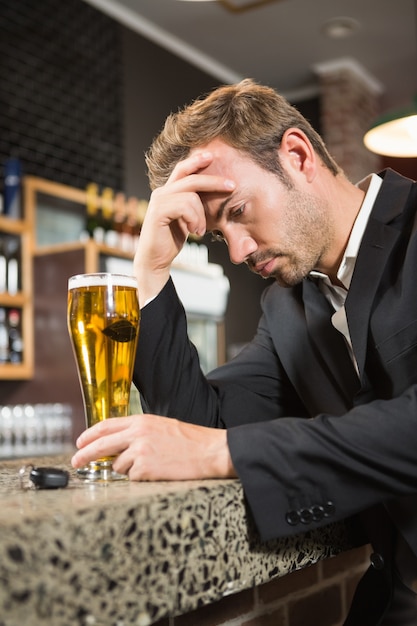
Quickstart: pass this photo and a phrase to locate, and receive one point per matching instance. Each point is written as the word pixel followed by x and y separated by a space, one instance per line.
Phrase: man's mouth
pixel 265 268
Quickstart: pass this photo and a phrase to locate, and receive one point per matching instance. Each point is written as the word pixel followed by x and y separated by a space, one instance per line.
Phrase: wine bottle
pixel 15 337
pixel 12 189
pixel 4 337
pixel 3 265
pixel 13 265
pixel 112 235
pixel 119 218
pixel 92 219
pixel 105 215
pixel 132 223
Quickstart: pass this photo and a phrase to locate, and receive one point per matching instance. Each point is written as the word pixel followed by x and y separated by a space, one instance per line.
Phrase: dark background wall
pixel 155 83
pixel 61 91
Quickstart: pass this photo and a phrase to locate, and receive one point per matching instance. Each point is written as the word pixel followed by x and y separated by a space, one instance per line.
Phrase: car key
pixel 46 477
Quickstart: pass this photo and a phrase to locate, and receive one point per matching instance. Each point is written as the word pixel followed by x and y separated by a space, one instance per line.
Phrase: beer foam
pixel 102 279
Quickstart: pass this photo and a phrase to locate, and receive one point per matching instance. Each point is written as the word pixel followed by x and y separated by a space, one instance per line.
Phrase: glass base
pixel 100 472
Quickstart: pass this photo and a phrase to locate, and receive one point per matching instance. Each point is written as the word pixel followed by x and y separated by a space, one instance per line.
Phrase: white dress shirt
pixel 335 294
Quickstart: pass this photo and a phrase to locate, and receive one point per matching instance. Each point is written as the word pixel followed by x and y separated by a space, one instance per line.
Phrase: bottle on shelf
pixel 127 226
pixel 132 222
pixel 15 336
pixel 13 265
pixel 112 235
pixel 12 189
pixel 119 219
pixel 3 265
pixel 4 337
pixel 92 215
pixel 106 212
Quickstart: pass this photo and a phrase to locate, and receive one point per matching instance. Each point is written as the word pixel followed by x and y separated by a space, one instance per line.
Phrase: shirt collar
pixel 371 185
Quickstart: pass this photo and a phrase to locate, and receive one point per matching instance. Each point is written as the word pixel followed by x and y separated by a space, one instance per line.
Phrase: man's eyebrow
pixel 222 208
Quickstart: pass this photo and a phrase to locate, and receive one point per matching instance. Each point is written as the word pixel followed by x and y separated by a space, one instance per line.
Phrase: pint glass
pixel 103 323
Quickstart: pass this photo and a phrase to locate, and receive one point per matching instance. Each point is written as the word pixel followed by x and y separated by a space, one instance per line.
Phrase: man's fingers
pixel 190 165
pixel 106 427
pixel 189 172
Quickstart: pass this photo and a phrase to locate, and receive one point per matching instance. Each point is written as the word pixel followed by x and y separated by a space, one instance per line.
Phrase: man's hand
pixel 150 447
pixel 174 211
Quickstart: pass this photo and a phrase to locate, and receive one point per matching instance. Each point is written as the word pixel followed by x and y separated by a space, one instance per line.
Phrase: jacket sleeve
pixel 168 375
pixel 301 474
pixel 298 474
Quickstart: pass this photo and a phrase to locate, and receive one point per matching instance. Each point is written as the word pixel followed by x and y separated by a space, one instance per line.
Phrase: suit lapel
pixel 377 244
pixel 329 341
pixel 297 320
pixel 375 249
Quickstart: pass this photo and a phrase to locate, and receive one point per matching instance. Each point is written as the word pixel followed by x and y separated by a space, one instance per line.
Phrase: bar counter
pixel 133 553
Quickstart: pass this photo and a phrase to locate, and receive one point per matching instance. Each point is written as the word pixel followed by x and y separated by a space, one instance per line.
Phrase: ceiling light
pixel 340 27
pixel 237 5
pixel 243 5
pixel 394 134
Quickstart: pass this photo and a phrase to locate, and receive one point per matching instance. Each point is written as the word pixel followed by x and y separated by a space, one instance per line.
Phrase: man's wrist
pixel 225 467
pixel 150 286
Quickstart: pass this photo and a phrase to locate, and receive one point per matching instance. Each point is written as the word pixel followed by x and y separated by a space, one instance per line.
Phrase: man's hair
pixel 249 117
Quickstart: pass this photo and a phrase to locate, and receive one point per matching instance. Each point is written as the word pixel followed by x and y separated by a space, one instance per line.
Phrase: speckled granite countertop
pixel 132 553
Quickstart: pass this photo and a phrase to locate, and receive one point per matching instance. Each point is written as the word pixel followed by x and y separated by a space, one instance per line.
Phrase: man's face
pixel 278 232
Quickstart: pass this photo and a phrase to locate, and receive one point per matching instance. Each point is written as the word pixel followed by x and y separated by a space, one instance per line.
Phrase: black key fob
pixel 48 477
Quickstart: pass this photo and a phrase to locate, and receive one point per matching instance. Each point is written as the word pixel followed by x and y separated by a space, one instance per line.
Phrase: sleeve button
pixel 329 509
pixel 306 516
pixel 318 513
pixel 377 560
pixel 293 518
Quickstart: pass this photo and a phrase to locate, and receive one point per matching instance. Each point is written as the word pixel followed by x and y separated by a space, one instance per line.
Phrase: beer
pixel 103 323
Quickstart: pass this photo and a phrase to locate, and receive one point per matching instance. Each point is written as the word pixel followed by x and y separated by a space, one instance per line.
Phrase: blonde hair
pixel 249 117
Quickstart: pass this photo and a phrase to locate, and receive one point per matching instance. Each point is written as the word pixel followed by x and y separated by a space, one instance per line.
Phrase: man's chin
pixel 287 281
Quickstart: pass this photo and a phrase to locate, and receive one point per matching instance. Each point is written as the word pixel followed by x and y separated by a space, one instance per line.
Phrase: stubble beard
pixel 308 229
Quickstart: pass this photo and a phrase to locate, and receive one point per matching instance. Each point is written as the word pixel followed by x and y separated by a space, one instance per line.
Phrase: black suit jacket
pixel 312 442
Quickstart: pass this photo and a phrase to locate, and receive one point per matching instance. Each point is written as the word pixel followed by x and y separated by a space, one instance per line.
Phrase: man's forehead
pixel 215 146
pixel 224 157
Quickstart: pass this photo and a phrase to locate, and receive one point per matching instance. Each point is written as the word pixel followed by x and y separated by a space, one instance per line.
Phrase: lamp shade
pixel 394 134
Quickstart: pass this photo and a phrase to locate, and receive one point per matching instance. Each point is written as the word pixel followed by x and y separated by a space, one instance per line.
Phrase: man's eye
pixel 238 211
pixel 217 235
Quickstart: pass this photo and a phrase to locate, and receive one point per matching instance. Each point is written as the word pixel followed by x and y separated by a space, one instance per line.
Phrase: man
pixel 317 416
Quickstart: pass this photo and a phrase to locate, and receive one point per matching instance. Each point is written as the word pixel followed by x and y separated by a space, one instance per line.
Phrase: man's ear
pixel 298 153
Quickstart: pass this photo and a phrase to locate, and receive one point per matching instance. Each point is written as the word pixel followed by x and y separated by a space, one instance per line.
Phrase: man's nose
pixel 240 248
